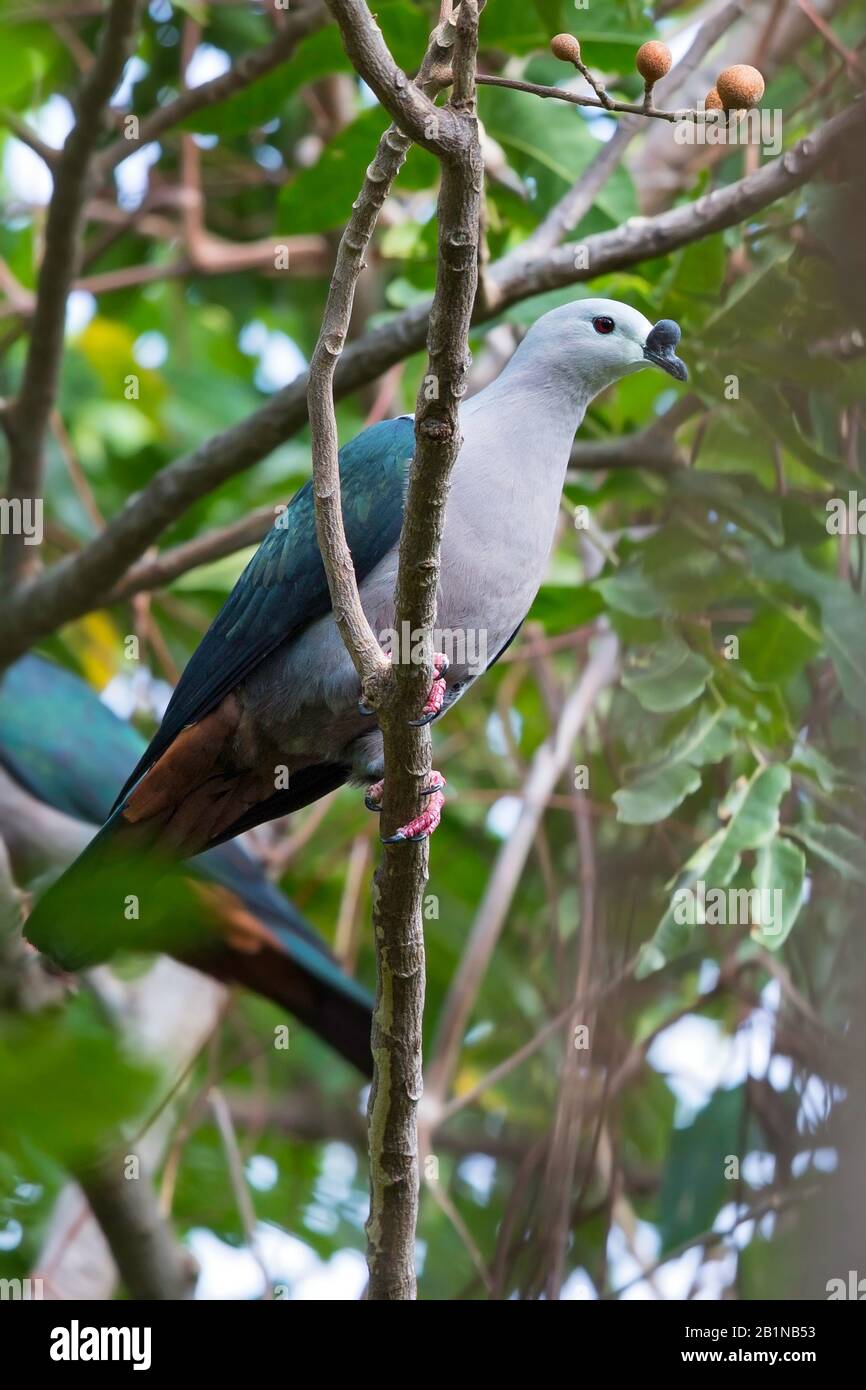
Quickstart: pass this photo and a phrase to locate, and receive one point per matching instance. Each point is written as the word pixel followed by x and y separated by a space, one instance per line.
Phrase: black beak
pixel 660 349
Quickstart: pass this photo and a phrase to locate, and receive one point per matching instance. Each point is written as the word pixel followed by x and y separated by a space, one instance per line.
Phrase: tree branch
pixel 547 767
pixel 248 69
pixel 395 691
pixel 152 1263
pixel 402 874
pixel 565 215
pixel 78 583
pixel 435 128
pixel 27 420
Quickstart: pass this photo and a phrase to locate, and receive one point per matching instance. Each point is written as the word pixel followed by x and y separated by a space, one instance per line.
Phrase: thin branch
pixel 626 108
pixel 28 418
pixel 395 691
pixel 23 132
pixel 852 60
pixel 546 769
pixel 300 23
pixel 77 583
pixel 435 128
pixel 567 213
pixel 157 571
pixel 653 449
pixel 402 874
pixel 152 1263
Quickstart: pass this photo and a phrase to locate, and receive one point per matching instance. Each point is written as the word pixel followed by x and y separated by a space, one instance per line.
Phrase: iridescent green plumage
pixel 60 743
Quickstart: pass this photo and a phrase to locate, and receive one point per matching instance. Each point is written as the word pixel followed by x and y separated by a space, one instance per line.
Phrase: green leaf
pixel 551 143
pixel 774 648
pixel 780 868
pixel 654 794
pixel 319 198
pixel 630 591
pixel 838 847
pixel 752 813
pixel 842 614
pixel 734 495
pixel 695 1185
pixel 65 1081
pixel 669 677
pixel 670 778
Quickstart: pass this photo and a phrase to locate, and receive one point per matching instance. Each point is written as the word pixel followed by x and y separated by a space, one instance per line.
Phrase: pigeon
pixel 62 755
pixel 267 716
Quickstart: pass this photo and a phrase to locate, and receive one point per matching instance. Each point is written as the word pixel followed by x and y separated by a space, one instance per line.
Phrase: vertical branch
pixel 402 875
pixel 451 133
pixel 27 420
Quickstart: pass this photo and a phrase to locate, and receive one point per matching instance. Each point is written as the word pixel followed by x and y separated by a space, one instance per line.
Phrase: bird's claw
pixel 435 698
pixel 424 824
pixel 373 798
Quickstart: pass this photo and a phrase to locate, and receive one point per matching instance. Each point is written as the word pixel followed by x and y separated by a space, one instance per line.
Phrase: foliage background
pixel 729 1048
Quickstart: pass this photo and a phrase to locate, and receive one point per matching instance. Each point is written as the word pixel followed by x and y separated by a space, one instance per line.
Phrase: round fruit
pixel 566 48
pixel 740 87
pixel 654 61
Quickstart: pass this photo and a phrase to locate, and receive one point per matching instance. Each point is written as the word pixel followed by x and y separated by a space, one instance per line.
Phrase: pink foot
pixel 421 826
pixel 433 703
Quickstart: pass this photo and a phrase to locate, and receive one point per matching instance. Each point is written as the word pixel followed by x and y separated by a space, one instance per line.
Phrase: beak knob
pixel 660 349
pixel 665 336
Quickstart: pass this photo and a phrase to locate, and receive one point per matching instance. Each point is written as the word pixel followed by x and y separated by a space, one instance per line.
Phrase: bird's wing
pixel 66 748
pixel 60 742
pixel 283 589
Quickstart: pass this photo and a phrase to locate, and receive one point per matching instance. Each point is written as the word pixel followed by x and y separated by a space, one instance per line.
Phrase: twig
pixel 628 108
pixel 851 59
pixel 546 769
pixel 243 1200
pixel 248 69
pixel 28 418
pixel 23 132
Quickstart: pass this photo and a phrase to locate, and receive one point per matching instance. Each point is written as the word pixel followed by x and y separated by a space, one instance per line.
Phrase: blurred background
pixel 618 1105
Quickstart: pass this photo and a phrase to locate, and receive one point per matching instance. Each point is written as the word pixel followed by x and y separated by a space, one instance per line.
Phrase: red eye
pixel 603 325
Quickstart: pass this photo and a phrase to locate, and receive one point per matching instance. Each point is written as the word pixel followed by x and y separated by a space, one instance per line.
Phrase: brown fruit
pixel 654 60
pixel 566 48
pixel 740 87
pixel 712 101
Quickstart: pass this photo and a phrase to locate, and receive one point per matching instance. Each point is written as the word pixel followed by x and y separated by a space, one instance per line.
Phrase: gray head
pixel 592 343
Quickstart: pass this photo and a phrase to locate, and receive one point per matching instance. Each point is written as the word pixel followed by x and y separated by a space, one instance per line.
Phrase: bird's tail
pixel 218 913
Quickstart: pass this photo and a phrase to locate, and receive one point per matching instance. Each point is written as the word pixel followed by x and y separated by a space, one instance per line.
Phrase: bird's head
pixel 602 340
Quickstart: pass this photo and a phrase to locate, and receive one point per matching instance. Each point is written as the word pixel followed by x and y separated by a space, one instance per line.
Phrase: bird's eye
pixel 603 325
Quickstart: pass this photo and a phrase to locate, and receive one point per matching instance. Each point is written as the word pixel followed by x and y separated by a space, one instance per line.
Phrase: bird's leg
pixel 421 826
pixel 433 703
pixel 435 697
pixel 424 824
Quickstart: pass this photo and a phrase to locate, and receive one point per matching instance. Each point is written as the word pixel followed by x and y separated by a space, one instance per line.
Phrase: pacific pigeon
pixel 267 716
pixel 62 755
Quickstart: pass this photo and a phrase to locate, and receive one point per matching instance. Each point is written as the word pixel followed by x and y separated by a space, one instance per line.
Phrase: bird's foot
pixel 433 703
pixel 421 826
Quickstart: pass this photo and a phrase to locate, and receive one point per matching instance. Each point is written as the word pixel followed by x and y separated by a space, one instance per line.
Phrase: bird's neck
pixel 520 429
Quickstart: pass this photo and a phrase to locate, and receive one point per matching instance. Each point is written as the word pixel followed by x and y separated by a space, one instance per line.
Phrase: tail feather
pixel 218 913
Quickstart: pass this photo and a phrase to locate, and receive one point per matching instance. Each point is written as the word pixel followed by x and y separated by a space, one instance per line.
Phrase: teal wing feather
pixel 283 589
pixel 63 745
